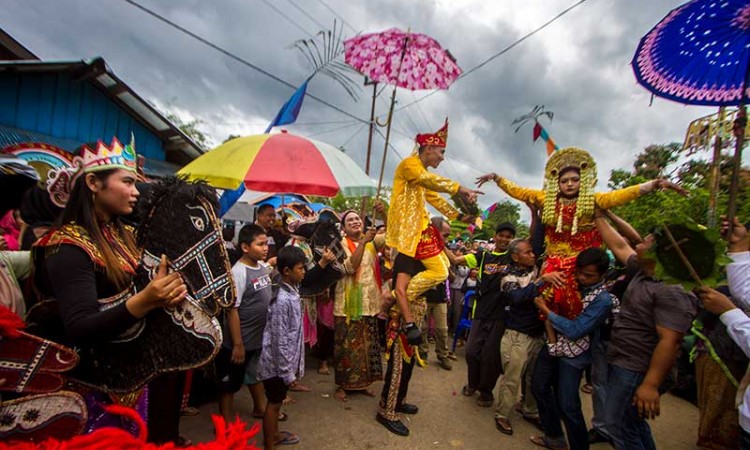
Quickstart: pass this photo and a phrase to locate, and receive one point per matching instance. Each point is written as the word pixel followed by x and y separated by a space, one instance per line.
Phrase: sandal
pixel 287 438
pixel 544 441
pixel 503 425
pixel 467 391
pixel 299 387
pixel 182 442
pixel 283 417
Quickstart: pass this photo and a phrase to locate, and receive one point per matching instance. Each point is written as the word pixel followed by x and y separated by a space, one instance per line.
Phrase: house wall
pixel 57 105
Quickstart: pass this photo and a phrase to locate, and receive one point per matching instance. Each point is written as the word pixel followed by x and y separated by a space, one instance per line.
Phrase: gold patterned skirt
pixel 356 352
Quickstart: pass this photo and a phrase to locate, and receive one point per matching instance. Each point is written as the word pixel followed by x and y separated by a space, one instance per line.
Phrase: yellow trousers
pixel 436 272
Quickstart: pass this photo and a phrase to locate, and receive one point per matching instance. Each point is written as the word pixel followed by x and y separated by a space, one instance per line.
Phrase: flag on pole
pixel 539 131
pixel 286 115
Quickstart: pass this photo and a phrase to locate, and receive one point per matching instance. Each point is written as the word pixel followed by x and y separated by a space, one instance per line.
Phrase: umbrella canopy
pixel 280 162
pixel 408 60
pixel 699 54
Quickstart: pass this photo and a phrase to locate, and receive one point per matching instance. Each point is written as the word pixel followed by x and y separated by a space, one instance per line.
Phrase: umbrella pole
pixel 739 132
pixel 385 148
pixel 369 141
pixel 715 176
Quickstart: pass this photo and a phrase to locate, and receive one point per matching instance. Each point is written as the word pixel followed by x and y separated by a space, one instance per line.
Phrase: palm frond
pixel 323 53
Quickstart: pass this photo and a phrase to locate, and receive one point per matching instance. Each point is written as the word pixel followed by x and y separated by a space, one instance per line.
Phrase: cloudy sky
pixel 578 67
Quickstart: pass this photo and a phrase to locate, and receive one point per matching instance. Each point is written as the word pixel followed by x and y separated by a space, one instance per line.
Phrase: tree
pixel 506 211
pixel 192 130
pixel 340 203
pixel 693 175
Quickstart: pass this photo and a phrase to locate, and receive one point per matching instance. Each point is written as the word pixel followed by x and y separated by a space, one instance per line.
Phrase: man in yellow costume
pixel 409 230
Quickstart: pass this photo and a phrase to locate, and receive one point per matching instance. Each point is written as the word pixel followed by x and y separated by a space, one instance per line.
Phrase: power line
pixel 337 15
pixel 322 27
pixel 334 129
pixel 359 130
pixel 281 13
pixel 239 59
pixel 501 52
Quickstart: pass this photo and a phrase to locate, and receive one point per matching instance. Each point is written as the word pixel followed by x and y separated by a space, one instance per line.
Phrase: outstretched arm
pixel 625 229
pixel 533 196
pixel 441 204
pixel 606 200
pixel 414 172
pixel 619 246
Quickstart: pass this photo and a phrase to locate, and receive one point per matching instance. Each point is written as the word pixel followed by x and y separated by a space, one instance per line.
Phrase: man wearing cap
pixel 409 229
pixel 488 323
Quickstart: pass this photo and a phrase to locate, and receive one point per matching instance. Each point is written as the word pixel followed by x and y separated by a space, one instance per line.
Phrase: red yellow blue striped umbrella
pixel 281 162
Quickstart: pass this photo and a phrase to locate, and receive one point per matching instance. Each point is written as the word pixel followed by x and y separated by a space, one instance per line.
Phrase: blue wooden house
pixel 69 103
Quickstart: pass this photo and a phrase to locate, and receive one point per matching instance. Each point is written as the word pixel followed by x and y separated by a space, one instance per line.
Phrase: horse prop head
pixel 177 219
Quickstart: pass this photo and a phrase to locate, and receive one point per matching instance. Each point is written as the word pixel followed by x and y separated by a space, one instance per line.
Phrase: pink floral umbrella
pixel 403 59
pixel 408 60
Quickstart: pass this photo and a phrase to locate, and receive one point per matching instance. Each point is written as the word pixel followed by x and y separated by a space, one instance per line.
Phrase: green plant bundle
pixel 702 247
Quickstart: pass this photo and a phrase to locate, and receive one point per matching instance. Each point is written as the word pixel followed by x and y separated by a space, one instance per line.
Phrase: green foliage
pixel 655 161
pixel 339 203
pixel 506 211
pixel 702 247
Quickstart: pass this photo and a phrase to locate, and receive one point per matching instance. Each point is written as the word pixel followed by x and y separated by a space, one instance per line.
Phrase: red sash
pixel 430 244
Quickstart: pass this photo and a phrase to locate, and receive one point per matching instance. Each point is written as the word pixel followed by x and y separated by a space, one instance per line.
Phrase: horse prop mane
pixel 178 219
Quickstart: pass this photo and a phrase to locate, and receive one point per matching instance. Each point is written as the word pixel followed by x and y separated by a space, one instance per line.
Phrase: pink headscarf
pixel 10 230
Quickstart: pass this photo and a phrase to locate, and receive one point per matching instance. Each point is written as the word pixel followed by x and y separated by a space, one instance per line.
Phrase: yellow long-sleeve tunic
pixel 407 215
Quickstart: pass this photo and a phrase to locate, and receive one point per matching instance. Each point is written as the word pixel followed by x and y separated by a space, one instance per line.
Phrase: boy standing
pixel 244 322
pixel 282 358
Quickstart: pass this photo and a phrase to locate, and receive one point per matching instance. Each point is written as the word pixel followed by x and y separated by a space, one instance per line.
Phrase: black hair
pixel 80 210
pixel 264 207
pixel 249 232
pixel 288 257
pixel 593 257
pixel 227 233
pixel 506 226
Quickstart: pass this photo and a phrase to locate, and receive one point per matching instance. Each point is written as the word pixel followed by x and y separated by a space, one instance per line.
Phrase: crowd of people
pixel 366 295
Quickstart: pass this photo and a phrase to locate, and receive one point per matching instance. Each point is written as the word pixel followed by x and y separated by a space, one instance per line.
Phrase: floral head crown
pixel 581 161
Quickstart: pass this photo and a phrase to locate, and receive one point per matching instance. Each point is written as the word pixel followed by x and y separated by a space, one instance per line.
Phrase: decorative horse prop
pixel 177 219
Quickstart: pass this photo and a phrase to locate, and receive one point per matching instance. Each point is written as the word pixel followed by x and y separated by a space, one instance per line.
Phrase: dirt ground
pixel 446 420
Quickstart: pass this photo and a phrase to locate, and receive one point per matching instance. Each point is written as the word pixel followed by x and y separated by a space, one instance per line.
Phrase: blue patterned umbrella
pixel 698 54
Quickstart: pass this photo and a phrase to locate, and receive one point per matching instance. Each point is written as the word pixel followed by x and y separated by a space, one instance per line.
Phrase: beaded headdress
pixel 439 138
pixel 569 158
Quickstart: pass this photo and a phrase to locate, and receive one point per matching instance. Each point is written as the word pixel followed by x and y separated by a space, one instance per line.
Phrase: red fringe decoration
pixel 10 323
pixel 234 437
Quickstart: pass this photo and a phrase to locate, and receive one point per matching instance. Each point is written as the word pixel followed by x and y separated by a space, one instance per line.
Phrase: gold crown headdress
pixel 60 181
pixel 569 158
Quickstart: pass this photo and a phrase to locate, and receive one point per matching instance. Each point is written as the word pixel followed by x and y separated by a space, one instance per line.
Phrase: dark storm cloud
pixel 578 67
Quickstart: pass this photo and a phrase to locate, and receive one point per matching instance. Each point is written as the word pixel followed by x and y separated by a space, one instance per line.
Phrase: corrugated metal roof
pixel 14 136
pixel 100 75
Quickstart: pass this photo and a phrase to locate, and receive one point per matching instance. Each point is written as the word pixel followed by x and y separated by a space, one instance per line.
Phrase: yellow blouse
pixel 604 200
pixel 563 243
pixel 407 215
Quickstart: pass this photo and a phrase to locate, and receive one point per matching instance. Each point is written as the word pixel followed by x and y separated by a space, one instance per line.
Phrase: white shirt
pixel 737 322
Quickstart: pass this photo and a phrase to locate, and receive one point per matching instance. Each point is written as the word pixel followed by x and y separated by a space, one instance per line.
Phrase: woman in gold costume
pixel 568 201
